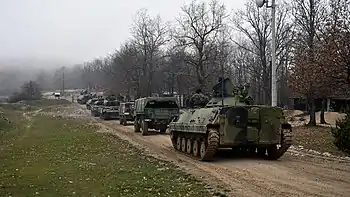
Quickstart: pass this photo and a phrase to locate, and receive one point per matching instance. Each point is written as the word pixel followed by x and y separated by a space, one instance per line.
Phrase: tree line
pixel 204 43
pixel 207 41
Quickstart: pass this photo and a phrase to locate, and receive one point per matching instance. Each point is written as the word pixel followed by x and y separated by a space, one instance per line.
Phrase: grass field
pixel 46 156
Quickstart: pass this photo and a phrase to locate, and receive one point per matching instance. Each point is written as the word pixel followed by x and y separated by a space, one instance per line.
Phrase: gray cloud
pixel 74 30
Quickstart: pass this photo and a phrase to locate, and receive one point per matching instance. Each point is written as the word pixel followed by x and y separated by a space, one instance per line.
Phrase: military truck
pixel 154 113
pixel 230 121
pixel 109 109
pixel 126 112
pixel 95 106
pixel 90 102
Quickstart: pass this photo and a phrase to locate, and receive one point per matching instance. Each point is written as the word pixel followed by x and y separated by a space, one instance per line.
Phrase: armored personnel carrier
pixel 90 102
pixel 229 121
pixel 84 97
pixel 109 109
pixel 94 108
pixel 154 113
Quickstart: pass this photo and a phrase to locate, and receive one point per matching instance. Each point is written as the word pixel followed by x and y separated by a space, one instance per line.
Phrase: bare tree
pixel 93 74
pixel 254 25
pixel 128 67
pixel 150 35
pixel 309 18
pixel 199 24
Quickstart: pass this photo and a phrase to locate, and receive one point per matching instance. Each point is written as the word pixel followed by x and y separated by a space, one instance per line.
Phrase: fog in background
pixel 39 36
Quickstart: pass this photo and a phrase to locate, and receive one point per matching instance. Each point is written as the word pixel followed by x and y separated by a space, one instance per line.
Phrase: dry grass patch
pixel 316 138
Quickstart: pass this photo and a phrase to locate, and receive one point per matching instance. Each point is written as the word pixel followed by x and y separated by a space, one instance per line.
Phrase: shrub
pixel 29 91
pixel 341 134
pixel 16 97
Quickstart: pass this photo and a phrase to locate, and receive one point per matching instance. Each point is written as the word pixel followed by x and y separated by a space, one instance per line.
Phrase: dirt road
pixel 291 175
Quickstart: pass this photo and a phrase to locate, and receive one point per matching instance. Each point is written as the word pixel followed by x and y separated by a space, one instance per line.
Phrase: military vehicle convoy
pixel 126 112
pixel 154 113
pixel 229 121
pixel 109 109
pixel 95 108
pixel 84 97
pixel 90 102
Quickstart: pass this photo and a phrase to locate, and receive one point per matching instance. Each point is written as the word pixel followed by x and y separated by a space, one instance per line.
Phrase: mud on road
pixel 291 175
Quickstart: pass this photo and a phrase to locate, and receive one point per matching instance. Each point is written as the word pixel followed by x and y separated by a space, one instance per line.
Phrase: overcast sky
pixel 75 30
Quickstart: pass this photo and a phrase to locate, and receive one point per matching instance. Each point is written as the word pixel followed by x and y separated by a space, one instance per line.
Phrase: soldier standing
pixel 198 99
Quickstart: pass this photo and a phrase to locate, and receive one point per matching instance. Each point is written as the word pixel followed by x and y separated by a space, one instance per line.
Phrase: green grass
pixel 32 105
pixel 45 156
pixel 5 123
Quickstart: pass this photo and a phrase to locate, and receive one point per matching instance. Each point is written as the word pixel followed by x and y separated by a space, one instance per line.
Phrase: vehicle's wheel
pixel 124 120
pixel 178 143
pixel 172 135
pixel 261 152
pixel 162 131
pixel 136 126
pixel 195 149
pixel 272 152
pixel 173 139
pixel 189 146
pixel 144 128
pixel 183 144
pixel 251 151
pixel 202 150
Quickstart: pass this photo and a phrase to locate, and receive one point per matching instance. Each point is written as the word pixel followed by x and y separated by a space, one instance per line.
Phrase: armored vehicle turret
pixel 109 109
pixel 90 102
pixel 229 121
pixel 84 97
pixel 94 108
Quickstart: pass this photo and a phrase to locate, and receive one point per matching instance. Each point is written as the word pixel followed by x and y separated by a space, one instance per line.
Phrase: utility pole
pixel 63 68
pixel 273 56
pixel 261 3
